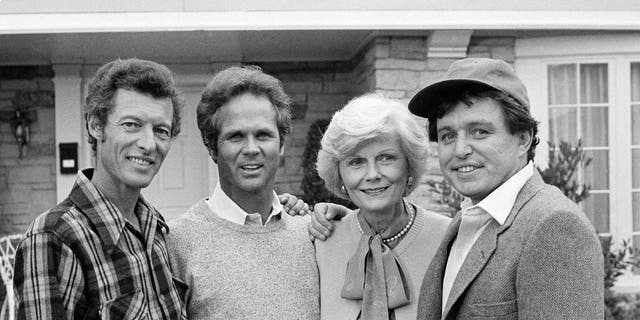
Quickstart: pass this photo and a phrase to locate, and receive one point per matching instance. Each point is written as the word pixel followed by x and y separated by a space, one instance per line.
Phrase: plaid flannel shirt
pixel 82 260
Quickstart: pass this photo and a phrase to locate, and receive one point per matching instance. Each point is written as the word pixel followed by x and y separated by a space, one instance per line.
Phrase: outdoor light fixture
pixel 20 120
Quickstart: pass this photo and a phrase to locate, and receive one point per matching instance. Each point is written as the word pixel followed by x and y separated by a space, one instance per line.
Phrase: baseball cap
pixel 492 73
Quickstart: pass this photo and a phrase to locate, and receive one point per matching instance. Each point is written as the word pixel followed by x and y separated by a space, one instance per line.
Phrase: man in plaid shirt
pixel 101 253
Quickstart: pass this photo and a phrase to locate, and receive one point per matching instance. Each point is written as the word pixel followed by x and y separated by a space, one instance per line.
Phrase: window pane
pixel 563 125
pixel 594 83
pixel 596 206
pixel 594 123
pixel 562 84
pixel 635 82
pixel 596 174
pixel 636 211
pixel 635 125
pixel 635 168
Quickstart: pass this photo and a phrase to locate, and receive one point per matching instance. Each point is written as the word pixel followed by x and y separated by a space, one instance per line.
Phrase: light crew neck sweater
pixel 414 251
pixel 244 271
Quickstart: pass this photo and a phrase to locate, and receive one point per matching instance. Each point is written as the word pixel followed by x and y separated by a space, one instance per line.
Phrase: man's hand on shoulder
pixel 322 219
pixel 322 216
pixel 293 206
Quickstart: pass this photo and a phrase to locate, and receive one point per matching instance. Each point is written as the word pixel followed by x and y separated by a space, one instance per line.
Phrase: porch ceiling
pixel 183 46
pixel 204 46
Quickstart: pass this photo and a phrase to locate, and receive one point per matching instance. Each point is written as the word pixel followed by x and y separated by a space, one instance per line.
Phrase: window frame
pixel 533 56
pixel 578 105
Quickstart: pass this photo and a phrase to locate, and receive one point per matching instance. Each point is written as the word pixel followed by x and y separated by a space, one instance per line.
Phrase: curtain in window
pixel 578 109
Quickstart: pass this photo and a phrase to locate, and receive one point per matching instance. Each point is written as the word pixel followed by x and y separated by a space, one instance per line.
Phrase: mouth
pixel 251 167
pixel 469 168
pixel 141 161
pixel 374 191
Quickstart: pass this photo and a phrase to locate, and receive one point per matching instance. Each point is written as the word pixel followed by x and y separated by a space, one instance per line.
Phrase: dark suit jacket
pixel 545 262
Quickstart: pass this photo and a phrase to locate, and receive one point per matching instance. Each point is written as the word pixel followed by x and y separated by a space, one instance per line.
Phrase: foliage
pixel 623 307
pixel 616 260
pixel 446 194
pixel 313 187
pixel 564 162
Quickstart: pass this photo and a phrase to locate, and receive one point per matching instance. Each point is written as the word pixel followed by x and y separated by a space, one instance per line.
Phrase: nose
pixel 250 146
pixel 147 140
pixel 372 172
pixel 462 147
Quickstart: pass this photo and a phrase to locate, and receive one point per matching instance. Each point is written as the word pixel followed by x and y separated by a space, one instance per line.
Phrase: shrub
pixel 445 194
pixel 313 188
pixel 564 162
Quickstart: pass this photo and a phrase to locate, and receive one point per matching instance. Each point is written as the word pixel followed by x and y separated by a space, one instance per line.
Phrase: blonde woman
pixel 372 265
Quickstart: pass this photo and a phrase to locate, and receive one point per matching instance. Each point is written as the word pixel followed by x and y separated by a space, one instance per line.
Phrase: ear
pixel 95 128
pixel 282 143
pixel 525 139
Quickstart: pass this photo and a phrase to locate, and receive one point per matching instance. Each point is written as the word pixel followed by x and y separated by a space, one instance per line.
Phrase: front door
pixel 187 174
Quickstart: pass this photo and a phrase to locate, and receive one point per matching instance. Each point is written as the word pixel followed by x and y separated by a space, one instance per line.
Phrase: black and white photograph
pixel 320 160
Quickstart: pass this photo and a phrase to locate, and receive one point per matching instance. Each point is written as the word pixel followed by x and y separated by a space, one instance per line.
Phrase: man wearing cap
pixel 521 249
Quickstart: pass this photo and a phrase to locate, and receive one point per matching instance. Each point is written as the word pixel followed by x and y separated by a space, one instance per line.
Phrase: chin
pixel 379 205
pixel 139 182
pixel 253 186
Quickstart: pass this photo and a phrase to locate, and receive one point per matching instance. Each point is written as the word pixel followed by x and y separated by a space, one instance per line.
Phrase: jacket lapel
pixel 430 299
pixel 475 261
pixel 533 185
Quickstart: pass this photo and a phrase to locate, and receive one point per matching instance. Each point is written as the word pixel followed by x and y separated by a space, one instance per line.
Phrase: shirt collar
pixel 227 209
pixel 109 222
pixel 500 202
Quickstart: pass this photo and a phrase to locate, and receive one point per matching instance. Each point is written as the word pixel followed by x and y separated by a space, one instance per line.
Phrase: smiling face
pixel 477 153
pixel 133 142
pixel 375 175
pixel 248 146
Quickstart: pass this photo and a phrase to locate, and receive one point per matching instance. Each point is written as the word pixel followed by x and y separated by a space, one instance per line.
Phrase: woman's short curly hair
pixel 232 82
pixel 130 74
pixel 363 119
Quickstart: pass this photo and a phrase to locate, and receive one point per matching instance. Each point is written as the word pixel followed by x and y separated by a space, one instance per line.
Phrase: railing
pixel 7 257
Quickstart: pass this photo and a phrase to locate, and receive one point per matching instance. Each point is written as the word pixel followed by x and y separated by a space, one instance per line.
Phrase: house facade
pixel 580 60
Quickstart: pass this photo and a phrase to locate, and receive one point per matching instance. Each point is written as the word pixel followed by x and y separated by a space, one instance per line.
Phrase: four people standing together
pixel 518 250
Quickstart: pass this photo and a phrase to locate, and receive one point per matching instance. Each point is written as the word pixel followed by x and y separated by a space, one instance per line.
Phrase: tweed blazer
pixel 544 262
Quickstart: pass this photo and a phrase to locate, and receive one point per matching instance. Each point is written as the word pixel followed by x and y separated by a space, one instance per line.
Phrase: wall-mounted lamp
pixel 20 120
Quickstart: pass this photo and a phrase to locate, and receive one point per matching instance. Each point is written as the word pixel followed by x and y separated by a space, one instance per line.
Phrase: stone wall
pixel 318 89
pixel 27 186
pixel 493 47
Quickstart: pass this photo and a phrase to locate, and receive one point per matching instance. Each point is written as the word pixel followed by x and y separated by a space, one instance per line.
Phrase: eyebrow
pixel 470 124
pixel 137 118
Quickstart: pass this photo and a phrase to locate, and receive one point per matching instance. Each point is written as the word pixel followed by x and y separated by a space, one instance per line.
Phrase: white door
pixel 187 173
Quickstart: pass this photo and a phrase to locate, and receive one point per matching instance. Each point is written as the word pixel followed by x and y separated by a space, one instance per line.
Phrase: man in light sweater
pixel 240 254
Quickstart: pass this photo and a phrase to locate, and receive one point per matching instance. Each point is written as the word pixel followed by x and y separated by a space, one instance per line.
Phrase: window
pixel 578 102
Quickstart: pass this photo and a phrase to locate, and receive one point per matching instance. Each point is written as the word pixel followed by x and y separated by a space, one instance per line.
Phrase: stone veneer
pixel 27 186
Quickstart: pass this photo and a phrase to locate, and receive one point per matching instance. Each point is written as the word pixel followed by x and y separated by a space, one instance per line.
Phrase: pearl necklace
pixel 402 232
